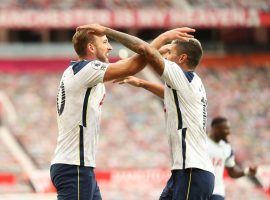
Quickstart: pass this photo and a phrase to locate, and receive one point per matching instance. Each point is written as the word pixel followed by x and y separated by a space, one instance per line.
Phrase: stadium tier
pixel 12 176
pixel 115 4
pixel 134 13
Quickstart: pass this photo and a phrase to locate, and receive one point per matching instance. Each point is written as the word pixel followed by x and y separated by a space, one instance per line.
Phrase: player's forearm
pixel 137 45
pixel 136 64
pixel 155 88
pixel 124 68
pixel 159 41
pixel 133 43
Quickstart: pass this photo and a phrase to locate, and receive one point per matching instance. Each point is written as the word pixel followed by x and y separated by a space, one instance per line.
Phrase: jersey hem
pixel 73 163
pixel 181 168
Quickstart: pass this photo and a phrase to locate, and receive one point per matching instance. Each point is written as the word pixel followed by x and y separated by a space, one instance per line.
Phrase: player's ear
pixel 183 58
pixel 91 48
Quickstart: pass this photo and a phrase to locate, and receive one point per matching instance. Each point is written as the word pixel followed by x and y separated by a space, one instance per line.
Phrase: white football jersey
pixel 222 156
pixel 79 100
pixel 186 112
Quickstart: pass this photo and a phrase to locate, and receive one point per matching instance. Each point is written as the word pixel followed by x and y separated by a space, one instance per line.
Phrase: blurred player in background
pixel 79 101
pixel 185 108
pixel 221 153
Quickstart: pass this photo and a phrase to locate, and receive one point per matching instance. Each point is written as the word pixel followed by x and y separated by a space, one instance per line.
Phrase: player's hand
pixel 179 34
pixel 253 170
pixel 130 80
pixel 93 28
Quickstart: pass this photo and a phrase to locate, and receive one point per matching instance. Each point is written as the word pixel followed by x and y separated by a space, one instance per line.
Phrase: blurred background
pixel 133 157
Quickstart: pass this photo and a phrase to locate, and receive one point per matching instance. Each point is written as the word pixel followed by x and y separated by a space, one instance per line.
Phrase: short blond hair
pixel 80 40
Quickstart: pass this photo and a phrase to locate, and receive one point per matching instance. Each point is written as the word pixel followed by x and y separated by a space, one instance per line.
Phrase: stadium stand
pixel 12 178
pixel 28 97
pixel 243 4
pixel 133 128
pixel 245 99
pixel 242 94
pixel 133 4
pixel 70 4
pixel 237 189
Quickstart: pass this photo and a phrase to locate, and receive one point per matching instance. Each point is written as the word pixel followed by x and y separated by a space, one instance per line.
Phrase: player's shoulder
pixel 172 64
pixel 211 142
pixel 173 68
pixel 81 65
pixel 226 146
pixel 190 75
pixel 97 65
pixel 223 143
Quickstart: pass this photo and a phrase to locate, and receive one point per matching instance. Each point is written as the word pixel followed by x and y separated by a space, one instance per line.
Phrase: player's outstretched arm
pixel 155 88
pixel 173 34
pixel 149 52
pixel 237 172
pixel 124 68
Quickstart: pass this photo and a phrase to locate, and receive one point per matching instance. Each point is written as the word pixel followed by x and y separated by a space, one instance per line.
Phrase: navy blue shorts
pixel 74 182
pixel 189 184
pixel 217 197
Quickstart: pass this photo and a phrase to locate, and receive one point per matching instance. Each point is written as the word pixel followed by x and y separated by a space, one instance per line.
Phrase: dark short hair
pixel 218 120
pixel 80 40
pixel 192 48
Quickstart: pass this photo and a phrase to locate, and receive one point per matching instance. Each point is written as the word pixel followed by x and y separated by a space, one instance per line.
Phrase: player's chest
pixel 97 96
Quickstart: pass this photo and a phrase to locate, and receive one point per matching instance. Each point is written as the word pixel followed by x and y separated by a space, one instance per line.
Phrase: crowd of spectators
pixel 242 95
pixel 134 4
pixel 85 4
pixel 234 4
pixel 9 167
pixel 133 129
pixel 33 96
pixel 132 122
pixel 242 189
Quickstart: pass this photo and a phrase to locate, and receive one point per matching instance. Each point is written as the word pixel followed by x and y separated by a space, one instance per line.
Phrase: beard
pixel 102 57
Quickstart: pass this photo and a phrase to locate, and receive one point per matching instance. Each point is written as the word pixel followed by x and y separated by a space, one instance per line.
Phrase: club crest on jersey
pixel 97 65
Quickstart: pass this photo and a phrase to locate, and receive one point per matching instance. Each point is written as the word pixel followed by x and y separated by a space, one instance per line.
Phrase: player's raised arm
pixel 149 52
pixel 125 67
pixel 155 88
pixel 173 34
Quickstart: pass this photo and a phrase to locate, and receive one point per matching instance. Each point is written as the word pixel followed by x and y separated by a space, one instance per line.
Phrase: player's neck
pixel 185 67
pixel 88 57
pixel 215 139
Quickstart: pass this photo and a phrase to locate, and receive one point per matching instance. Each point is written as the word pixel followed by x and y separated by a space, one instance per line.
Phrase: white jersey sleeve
pixel 230 160
pixel 92 72
pixel 173 75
